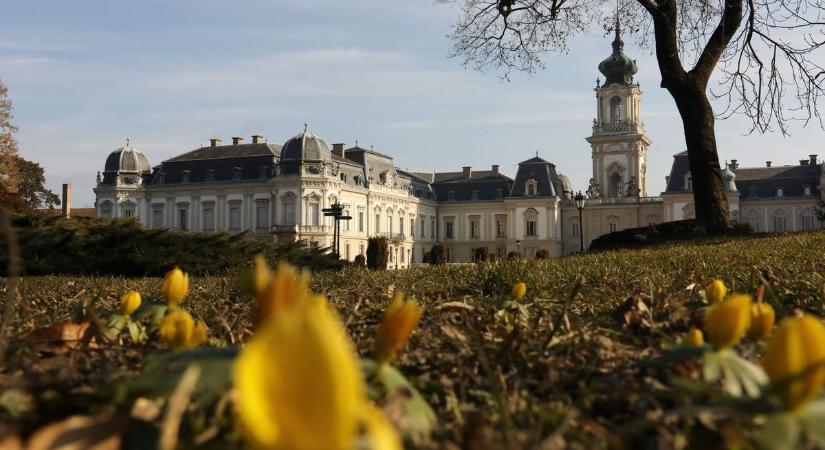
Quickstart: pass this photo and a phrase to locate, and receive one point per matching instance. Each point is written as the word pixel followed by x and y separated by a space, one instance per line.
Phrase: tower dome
pixel 127 159
pixel 305 147
pixel 618 67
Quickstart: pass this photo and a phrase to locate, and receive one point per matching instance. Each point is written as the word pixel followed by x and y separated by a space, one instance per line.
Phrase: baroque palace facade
pixel 279 191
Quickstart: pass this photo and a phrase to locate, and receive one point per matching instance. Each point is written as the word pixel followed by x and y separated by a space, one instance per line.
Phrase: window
pixel 210 174
pixel 237 172
pixel 377 223
pixel 807 219
pixel 402 255
pixel 423 227
pixel 157 216
pixel 185 176
pixel 432 227
pixel 361 249
pixel 412 227
pixel 183 219
pixel 128 211
pixel 389 224
pixel 612 224
pixel 501 227
pixel 688 182
pixel 807 190
pixel 780 192
pixel 752 192
pixel 312 213
pixel 288 209
pixel 780 221
pixel 448 229
pixel 361 221
pixel 499 194
pixel 401 225
pixel 575 228
pixel 261 216
pixel 347 252
pixel 752 218
pixel 346 222
pixel 616 110
pixel 474 195
pixel 475 227
pixel 235 216
pixel 106 210
pixel 531 187
pixel 531 219
pixel 616 184
pixel 451 196
pixel 208 217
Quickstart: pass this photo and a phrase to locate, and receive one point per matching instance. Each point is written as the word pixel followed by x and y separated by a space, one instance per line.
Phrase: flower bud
pixel 180 331
pixel 175 286
pixel 727 321
pixel 715 291
pixel 795 360
pixel 518 291
pixel 762 319
pixel 129 302
pixel 395 328
pixel 693 337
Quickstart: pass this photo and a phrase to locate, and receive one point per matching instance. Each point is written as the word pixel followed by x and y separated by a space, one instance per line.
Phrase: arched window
pixel 288 209
pixel 807 219
pixel 616 184
pixel 616 110
pixel 127 209
pixel 752 219
pixel 531 187
pixel 780 192
pixel 531 222
pixel 780 221
pixel 313 210
pixel 612 224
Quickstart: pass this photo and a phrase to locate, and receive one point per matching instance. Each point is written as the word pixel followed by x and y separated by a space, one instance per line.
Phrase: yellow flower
pixel 287 287
pixel 795 360
pixel 179 331
pixel 727 321
pixel 299 383
pixel 518 291
pixel 254 281
pixel 693 337
pixel 129 302
pixel 400 319
pixel 762 319
pixel 715 291
pixel 175 286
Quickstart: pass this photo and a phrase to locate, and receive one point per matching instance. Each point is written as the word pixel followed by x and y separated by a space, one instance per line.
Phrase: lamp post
pixel 580 205
pixel 518 247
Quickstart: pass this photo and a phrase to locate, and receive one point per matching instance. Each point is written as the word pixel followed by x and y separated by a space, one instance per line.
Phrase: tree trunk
pixel 710 201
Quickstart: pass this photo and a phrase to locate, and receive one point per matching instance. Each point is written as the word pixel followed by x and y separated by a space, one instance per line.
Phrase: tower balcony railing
pixel 621 126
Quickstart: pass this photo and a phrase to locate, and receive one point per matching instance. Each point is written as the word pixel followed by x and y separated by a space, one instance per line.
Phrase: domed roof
pixel 127 159
pixel 618 67
pixel 306 147
pixel 565 183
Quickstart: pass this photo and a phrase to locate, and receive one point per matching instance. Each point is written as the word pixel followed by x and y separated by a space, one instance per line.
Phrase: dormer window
pixel 688 182
pixel 210 174
pixel 780 192
pixel 237 173
pixel 807 190
pixel 185 176
pixel 262 171
pixel 451 196
pixel 499 194
pixel 344 177
pixel 474 195
pixel 383 178
pixel 531 187
pixel 752 192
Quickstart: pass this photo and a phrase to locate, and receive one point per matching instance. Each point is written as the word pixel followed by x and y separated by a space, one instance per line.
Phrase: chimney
pixel 67 200
pixel 257 139
pixel 237 140
pixel 813 159
pixel 338 149
pixel 733 164
pixel 803 162
pixel 495 169
pixel 468 173
pixel 767 163
pixel 214 142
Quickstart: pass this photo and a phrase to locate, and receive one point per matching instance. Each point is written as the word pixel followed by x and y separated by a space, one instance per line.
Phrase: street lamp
pixel 518 246
pixel 580 204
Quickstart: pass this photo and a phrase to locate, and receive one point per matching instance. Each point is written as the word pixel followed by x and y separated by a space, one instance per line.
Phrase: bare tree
pixel 766 67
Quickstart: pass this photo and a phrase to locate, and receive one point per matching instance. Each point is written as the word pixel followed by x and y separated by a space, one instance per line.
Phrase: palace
pixel 279 191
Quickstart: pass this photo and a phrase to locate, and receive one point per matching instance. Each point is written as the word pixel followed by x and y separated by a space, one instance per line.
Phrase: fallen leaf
pixel 77 433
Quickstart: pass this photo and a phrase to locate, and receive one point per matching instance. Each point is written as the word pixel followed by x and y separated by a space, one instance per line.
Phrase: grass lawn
pixel 539 380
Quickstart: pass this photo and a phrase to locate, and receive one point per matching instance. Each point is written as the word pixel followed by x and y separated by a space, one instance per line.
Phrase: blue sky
pixel 86 75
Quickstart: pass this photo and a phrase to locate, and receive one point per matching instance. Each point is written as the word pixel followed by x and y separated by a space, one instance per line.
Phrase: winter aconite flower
pixel 727 321
pixel 299 383
pixel 282 290
pixel 129 302
pixel 175 286
pixel 715 291
pixel 795 360
pixel 762 319
pixel 693 337
pixel 518 291
pixel 180 331
pixel 395 328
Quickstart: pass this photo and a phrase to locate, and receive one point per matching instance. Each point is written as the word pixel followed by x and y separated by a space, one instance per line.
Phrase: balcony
pixel 393 236
pixel 285 229
pixel 605 201
pixel 315 229
pixel 622 126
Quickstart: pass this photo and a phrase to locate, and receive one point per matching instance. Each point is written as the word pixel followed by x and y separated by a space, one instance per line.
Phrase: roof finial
pixel 127 142
pixel 537 153
pixel 617 42
pixel 306 125
pixel 356 143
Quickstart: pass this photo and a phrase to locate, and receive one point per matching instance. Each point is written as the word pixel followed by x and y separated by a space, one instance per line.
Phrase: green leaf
pixel 162 371
pixel 780 431
pixel 400 400
pixel 153 311
pixel 812 421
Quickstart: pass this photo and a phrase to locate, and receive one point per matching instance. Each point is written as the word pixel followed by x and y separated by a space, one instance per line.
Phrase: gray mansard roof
pixel 479 186
pixel 222 163
pixel 544 173
pixel 756 182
